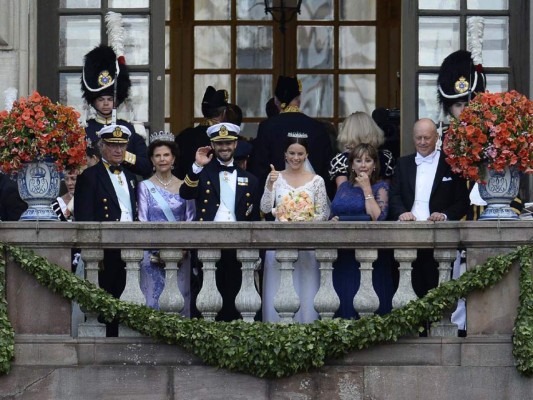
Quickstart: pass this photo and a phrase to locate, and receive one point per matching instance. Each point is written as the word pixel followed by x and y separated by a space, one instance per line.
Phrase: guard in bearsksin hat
pixel 269 145
pixel 189 140
pixel 105 85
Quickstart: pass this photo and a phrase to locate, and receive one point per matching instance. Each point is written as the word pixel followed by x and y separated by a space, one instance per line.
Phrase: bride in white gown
pixel 294 194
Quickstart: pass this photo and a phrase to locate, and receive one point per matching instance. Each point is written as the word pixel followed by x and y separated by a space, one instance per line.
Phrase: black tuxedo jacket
pixel 205 189
pixel 269 145
pixel 449 194
pixel 95 198
pixel 11 205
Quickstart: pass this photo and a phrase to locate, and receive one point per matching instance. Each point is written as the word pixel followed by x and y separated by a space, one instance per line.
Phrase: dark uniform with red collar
pixel 96 200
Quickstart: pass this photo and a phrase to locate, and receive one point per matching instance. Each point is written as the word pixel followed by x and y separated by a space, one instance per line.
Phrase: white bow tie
pixel 428 159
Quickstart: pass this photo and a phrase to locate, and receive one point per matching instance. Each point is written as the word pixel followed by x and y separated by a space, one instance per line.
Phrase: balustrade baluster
pixel 326 300
pixel 366 301
pixel 91 327
pixel 286 301
pixel 132 292
pixel 209 300
pixel 248 301
pixel 444 327
pixel 171 299
pixel 405 292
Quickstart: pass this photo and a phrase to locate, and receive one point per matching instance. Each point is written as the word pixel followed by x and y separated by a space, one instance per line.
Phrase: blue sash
pixel 161 202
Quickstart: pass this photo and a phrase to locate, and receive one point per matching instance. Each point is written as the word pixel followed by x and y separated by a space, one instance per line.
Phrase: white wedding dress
pixel 306 275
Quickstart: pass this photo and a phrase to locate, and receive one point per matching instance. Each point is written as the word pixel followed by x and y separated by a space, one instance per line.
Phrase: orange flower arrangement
pixel 494 129
pixel 37 129
pixel 295 207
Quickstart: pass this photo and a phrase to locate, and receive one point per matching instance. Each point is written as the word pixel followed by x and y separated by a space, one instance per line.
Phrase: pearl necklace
pixel 165 184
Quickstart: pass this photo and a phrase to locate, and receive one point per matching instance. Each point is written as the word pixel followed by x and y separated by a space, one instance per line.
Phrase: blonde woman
pixel 359 128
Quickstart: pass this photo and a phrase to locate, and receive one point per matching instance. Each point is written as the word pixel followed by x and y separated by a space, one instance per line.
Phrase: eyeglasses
pixel 120 146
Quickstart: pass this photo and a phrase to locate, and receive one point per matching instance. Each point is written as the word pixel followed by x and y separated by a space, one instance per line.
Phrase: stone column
pixel 286 301
pixel 326 300
pixel 405 292
pixel 171 299
pixel 248 301
pixel 91 327
pixel 209 300
pixel 366 301
pixel 444 257
pixel 132 292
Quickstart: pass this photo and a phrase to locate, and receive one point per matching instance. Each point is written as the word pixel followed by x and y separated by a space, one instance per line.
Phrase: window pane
pixel 428 105
pixel 439 36
pixel 79 4
pixel 496 42
pixel 167 95
pixel 167 47
pixel 438 4
pixel 137 39
pixel 497 83
pixel 77 35
pixel 139 97
pixel 251 9
pixel 249 129
pixel 316 10
pixel 254 47
pixel 487 4
pixel 253 92
pixel 69 90
pixel 167 10
pixel 362 10
pixel 129 4
pixel 317 95
pixel 201 82
pixel 212 47
pixel 357 47
pixel 315 47
pixel 357 93
pixel 212 10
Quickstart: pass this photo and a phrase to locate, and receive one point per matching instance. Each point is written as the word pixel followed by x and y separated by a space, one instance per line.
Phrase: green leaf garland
pixel 277 350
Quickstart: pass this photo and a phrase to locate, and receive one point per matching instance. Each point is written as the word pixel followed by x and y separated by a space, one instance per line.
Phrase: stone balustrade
pixel 54 240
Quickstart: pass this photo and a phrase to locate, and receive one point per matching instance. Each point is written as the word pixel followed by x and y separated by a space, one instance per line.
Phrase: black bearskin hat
pixel 99 74
pixel 209 92
pixel 459 79
pixel 214 102
pixel 287 89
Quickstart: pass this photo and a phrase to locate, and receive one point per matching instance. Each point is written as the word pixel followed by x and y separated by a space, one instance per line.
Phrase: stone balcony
pixel 51 364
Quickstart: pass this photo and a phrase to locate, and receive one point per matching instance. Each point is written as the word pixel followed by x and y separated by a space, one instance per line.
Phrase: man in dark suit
pixel 11 205
pixel 269 145
pixel 107 192
pixel 189 140
pixel 227 193
pixel 425 189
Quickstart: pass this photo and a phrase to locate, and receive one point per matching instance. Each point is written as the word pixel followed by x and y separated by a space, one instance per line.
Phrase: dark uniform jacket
pixel 11 205
pixel 269 146
pixel 188 141
pixel 96 199
pixel 205 189
pixel 136 145
pixel 449 193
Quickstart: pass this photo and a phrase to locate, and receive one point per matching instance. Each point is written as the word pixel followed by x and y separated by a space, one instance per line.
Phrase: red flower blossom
pixel 495 129
pixel 41 129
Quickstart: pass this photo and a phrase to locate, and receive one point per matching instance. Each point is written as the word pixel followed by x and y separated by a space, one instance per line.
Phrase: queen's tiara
pixel 298 135
pixel 162 135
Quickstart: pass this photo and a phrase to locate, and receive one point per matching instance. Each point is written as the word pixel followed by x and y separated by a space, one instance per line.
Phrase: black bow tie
pixel 115 169
pixel 227 168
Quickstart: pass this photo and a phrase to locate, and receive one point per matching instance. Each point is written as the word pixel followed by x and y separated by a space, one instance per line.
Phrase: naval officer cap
pixel 114 134
pixel 223 132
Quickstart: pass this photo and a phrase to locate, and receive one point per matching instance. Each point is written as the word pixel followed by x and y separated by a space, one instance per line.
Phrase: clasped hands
pixel 409 216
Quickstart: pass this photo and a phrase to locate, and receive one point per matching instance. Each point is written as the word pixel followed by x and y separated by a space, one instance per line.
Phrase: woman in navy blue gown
pixel 362 195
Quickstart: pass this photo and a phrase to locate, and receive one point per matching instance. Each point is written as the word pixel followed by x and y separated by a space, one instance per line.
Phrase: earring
pixel 172 168
pixel 353 170
pixel 153 168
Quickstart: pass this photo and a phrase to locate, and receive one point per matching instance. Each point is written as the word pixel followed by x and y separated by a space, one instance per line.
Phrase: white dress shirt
pixel 425 175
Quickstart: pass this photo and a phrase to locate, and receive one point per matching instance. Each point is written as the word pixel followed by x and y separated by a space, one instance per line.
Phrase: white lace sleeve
pixel 267 200
pixel 321 199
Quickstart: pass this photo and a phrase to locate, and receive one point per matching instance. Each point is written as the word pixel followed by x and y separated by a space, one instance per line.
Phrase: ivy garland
pixel 276 350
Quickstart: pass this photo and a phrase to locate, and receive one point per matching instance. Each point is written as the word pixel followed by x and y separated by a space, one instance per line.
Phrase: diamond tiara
pixel 298 135
pixel 162 135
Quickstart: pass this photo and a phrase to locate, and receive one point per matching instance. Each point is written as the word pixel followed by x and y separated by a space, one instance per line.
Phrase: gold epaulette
pixel 130 158
pixel 189 182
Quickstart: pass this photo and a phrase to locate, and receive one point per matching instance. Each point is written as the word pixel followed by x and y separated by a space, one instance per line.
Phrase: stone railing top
pixel 265 235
